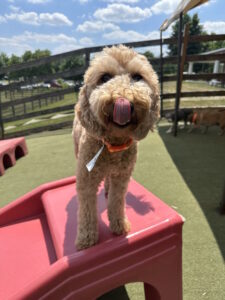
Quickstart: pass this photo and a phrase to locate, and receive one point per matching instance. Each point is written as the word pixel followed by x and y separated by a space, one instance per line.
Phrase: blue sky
pixel 62 26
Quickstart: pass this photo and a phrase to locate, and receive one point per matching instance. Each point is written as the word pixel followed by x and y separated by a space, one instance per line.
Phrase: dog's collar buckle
pixel 118 148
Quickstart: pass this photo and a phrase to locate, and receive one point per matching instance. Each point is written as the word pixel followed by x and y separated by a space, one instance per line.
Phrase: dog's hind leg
pixel 119 224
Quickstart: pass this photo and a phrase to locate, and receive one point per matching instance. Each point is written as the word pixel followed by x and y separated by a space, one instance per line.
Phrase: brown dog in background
pixel 208 117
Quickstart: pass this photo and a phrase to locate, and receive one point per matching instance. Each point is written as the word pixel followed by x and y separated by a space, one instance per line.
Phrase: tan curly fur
pixel 93 123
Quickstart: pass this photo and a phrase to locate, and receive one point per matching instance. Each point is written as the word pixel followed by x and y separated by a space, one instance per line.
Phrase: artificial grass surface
pixel 186 172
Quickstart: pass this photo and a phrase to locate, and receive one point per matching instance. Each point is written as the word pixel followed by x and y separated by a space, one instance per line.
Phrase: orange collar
pixel 118 148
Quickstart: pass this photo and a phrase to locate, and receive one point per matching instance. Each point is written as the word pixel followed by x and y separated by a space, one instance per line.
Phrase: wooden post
pixel 1 120
pixel 184 53
pixel 177 102
pixel 161 75
pixel 11 98
pixel 222 203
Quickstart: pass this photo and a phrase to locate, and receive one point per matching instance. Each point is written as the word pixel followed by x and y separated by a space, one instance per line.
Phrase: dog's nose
pixel 122 111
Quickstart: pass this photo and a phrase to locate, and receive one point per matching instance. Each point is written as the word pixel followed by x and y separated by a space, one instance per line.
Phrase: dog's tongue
pixel 122 111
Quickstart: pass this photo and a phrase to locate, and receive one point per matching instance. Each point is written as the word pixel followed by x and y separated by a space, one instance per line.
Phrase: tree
pixel 13 60
pixel 194 29
pixel 4 60
pixel 149 55
pixel 45 68
pixel 213 45
pixel 27 56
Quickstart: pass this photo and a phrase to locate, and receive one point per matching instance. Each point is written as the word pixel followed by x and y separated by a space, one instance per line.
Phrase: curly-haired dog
pixel 117 106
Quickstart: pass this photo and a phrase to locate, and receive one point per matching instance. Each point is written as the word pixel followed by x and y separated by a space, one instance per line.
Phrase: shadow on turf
pixel 200 159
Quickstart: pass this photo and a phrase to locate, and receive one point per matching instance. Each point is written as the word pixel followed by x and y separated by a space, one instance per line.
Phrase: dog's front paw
pixel 120 226
pixel 86 240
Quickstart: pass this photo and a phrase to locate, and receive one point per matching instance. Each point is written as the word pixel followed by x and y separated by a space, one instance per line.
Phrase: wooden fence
pixel 86 52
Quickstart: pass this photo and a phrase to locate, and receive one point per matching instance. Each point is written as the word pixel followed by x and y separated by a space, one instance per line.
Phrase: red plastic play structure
pixel 38 259
pixel 10 151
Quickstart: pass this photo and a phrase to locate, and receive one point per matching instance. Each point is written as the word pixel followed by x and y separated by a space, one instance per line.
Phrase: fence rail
pixel 40 112
pixel 219 76
pixel 89 50
pixel 66 124
pixel 49 77
pixel 195 94
pixel 78 71
pixel 191 58
pixel 37 97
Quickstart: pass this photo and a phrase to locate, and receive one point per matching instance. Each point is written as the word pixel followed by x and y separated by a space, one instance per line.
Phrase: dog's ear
pixel 84 113
pixel 83 104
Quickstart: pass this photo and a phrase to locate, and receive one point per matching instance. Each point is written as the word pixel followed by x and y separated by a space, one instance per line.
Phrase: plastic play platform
pixel 10 151
pixel 38 259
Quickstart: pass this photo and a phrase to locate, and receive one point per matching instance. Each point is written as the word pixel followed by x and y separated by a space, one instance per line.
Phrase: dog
pixel 182 115
pixel 207 117
pixel 117 106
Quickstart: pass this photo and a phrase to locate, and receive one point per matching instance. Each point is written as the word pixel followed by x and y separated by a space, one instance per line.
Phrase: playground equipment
pixel 39 260
pixel 10 151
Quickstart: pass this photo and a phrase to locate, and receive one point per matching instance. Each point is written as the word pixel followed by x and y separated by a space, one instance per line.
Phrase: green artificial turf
pixel 186 172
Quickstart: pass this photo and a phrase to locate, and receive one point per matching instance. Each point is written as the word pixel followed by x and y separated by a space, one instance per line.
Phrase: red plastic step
pixel 60 206
pixel 26 252
pixel 29 268
pixel 10 151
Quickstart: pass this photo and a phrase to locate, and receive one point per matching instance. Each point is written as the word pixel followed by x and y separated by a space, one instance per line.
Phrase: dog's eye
pixel 136 77
pixel 105 77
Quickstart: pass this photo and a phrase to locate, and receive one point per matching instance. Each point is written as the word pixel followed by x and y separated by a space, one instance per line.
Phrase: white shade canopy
pixel 183 7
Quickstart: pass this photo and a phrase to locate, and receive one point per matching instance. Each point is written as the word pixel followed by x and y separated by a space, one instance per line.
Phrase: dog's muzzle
pixel 122 111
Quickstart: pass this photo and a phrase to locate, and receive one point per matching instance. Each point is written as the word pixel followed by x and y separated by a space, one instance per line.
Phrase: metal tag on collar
pixel 90 165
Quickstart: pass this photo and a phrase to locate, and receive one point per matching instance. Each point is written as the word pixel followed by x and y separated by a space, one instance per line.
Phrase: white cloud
pixel 164 6
pixel 40 38
pixel 83 1
pixel 125 36
pixel 119 13
pixel 12 46
pixel 96 26
pixel 65 47
pixel 54 19
pixel 122 1
pixel 133 36
pixel 38 1
pixel 86 41
pixel 2 19
pixel 57 43
pixel 130 36
pixel 14 8
pixel 32 18
pixel 24 17
pixel 215 27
